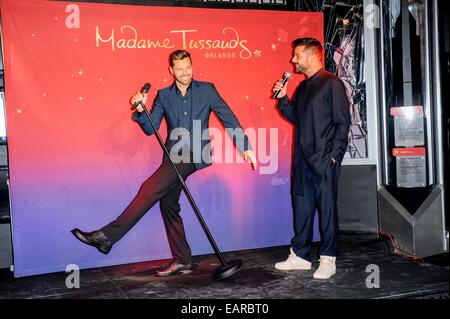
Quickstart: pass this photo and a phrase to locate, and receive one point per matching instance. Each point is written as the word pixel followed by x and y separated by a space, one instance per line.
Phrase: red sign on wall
pixel 76 157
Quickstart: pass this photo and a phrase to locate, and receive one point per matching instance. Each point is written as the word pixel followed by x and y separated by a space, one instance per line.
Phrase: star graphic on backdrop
pixel 274 47
pixel 257 53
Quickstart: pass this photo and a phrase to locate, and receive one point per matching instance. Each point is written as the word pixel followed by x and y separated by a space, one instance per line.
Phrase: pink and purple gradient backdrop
pixel 77 159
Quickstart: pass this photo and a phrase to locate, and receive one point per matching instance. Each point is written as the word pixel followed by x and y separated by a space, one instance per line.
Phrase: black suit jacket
pixel 321 115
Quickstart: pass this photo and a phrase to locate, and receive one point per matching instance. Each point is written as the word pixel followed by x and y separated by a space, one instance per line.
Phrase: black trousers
pixel 319 193
pixel 165 187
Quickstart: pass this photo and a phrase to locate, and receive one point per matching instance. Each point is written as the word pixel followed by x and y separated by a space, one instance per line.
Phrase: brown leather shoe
pixel 96 239
pixel 174 268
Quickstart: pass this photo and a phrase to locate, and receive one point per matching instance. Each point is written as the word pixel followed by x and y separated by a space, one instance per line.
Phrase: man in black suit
pixel 320 113
pixel 185 105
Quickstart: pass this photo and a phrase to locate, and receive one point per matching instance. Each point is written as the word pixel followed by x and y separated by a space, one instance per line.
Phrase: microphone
pixel 144 90
pixel 286 77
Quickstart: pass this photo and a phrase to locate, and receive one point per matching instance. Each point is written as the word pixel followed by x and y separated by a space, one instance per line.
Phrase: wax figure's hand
pixel 139 97
pixel 279 86
pixel 333 160
pixel 249 155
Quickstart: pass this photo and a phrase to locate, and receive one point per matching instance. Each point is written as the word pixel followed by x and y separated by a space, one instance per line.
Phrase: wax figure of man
pixel 320 112
pixel 185 103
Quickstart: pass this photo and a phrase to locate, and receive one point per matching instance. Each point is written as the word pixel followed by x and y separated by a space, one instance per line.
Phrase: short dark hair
pixel 179 55
pixel 308 43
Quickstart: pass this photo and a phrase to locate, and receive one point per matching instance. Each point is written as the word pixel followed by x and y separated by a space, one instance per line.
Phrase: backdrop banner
pixel 76 157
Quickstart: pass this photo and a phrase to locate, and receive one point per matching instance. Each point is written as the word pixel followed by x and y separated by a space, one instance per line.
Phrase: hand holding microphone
pixel 140 98
pixel 280 88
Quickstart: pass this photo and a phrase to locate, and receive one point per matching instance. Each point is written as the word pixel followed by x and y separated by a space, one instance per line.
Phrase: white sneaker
pixel 327 267
pixel 293 262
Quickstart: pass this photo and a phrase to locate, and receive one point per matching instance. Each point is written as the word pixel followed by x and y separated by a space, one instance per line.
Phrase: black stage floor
pixel 399 278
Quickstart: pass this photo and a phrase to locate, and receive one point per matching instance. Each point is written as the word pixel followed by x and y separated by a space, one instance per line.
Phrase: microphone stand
pixel 227 269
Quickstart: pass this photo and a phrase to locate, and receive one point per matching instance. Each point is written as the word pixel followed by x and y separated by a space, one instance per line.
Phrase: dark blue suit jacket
pixel 205 99
pixel 321 115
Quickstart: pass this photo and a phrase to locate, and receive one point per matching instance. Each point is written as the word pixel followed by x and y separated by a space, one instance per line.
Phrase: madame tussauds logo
pixel 230 45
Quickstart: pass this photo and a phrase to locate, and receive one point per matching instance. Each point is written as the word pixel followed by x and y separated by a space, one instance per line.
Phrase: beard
pixel 300 68
pixel 185 80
